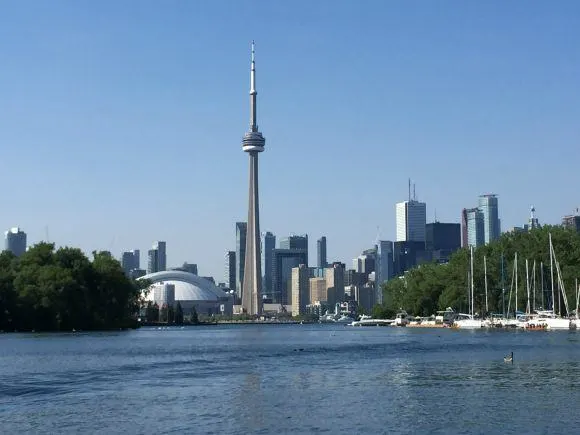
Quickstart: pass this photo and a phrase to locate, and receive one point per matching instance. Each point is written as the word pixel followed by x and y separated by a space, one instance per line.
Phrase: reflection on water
pixel 300 378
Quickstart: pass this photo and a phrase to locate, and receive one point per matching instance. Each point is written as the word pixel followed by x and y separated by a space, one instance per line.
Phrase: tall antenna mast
pixel 414 193
pixel 409 190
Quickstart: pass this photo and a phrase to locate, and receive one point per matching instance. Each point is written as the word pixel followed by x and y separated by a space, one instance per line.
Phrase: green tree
pixel 194 317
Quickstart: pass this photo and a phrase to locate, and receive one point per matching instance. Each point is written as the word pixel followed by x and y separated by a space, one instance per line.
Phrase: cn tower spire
pixel 253 143
pixel 253 93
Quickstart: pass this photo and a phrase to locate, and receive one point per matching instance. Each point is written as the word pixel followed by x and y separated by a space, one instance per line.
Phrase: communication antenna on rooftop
pixel 414 193
pixel 435 213
pixel 409 189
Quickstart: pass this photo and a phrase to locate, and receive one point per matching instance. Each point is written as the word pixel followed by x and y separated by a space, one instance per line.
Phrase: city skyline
pixel 91 131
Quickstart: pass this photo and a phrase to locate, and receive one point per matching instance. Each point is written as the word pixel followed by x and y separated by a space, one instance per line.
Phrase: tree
pixel 178 314
pixel 194 318
pixel 163 311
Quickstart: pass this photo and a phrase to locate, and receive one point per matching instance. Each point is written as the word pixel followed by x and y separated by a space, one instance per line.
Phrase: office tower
pixel 268 246
pixel 318 290
pixel 572 221
pixel 407 255
pixel 161 256
pixel 295 242
pixel 335 284
pixel 464 243
pixel 241 230
pixel 230 275
pixel 152 261
pixel 127 261
pixel 411 219
pixel 321 252
pixel 136 258
pixel 489 210
pixel 253 143
pixel 475 227
pixel 284 260
pixel 442 239
pixel 15 241
pixel 384 266
pixel 187 267
pixel 300 289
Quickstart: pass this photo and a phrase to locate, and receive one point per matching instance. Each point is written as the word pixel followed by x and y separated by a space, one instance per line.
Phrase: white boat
pixel 466 321
pixel 402 318
pixel 344 319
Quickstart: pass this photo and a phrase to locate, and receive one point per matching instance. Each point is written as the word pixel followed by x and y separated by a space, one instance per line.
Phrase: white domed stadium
pixel 172 286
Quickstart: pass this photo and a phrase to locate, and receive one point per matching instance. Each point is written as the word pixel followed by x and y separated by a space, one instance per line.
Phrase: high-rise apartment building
pixel 384 266
pixel 268 246
pixel 475 227
pixel 318 290
pixel 491 224
pixel 230 275
pixel 321 252
pixel 130 260
pixel 411 219
pixel 284 260
pixel 157 258
pixel 300 289
pixel 572 221
pixel 335 283
pixel 15 241
pixel 241 229
pixel 295 242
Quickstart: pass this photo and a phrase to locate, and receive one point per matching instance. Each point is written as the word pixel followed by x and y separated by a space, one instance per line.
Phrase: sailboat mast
pixel 472 293
pixel 516 272
pixel 502 286
pixel 485 274
pixel 542 283
pixel 577 294
pixel 552 273
pixel 534 284
pixel 527 288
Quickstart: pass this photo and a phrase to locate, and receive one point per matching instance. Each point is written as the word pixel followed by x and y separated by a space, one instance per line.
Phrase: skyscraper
pixel 253 143
pixel 475 227
pixel 152 261
pixel 572 221
pixel 411 220
pixel 230 275
pixel 15 241
pixel 284 261
pixel 442 239
pixel 321 252
pixel 160 247
pixel 241 229
pixel 491 224
pixel 130 260
pixel 300 289
pixel 384 266
pixel 268 246
pixel 295 242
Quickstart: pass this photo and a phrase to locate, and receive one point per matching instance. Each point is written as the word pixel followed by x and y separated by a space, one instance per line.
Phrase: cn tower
pixel 253 143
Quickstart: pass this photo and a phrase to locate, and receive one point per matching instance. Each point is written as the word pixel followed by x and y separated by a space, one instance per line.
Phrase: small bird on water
pixel 509 358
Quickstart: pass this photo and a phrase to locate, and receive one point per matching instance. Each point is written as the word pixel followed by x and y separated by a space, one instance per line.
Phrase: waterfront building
pixel 335 283
pixel 491 225
pixel 300 289
pixel 365 297
pixel 411 218
pixel 384 266
pixel 230 275
pixel 321 252
pixel 284 260
pixel 318 290
pixel 241 230
pixel 295 242
pixel 475 227
pixel 15 241
pixel 268 246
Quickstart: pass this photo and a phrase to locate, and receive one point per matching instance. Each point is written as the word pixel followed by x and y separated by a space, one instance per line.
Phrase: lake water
pixel 242 379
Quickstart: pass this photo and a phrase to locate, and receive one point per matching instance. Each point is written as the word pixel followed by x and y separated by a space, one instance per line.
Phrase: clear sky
pixel 121 121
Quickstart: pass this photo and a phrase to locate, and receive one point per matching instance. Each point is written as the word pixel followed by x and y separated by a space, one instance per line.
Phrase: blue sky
pixel 121 121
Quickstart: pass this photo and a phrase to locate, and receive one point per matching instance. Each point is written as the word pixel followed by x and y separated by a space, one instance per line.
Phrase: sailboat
pixel 552 320
pixel 467 321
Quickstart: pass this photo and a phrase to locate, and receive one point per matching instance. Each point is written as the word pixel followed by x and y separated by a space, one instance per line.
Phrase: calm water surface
pixel 290 378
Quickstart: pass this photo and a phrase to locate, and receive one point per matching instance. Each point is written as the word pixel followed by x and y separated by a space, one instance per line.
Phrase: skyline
pixel 116 139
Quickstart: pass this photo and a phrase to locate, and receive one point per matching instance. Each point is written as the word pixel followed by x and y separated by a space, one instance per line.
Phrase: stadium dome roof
pixel 188 287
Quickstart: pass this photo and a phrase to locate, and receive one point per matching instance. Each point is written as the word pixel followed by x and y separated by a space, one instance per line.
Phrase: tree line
pixel 431 287
pixel 60 290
